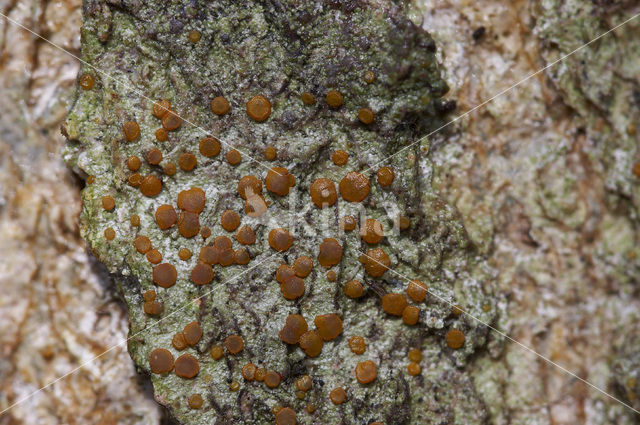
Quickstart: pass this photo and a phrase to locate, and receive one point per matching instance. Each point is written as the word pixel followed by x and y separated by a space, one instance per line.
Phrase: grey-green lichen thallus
pixel 316 91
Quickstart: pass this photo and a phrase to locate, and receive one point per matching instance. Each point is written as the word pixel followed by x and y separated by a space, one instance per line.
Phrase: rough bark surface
pixel 57 306
pixel 541 179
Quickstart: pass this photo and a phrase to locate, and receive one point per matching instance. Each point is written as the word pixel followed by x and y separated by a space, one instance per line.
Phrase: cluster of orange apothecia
pixel 185 215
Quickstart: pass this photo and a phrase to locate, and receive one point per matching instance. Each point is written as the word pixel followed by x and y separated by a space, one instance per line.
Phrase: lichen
pixel 280 50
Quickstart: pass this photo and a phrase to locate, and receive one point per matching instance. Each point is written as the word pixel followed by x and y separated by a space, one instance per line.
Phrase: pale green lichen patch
pixel 279 50
pixel 553 160
pixel 601 84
